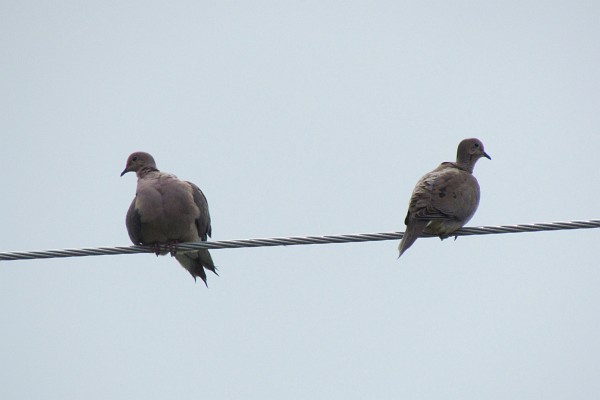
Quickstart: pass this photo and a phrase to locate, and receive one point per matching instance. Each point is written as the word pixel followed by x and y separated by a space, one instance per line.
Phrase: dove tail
pixel 196 262
pixel 413 231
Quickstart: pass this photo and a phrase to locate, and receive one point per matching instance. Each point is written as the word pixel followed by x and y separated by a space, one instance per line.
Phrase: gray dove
pixel 445 199
pixel 166 210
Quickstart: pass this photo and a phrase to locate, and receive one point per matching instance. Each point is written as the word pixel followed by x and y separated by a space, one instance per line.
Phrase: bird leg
pixel 156 248
pixel 172 247
pixel 442 237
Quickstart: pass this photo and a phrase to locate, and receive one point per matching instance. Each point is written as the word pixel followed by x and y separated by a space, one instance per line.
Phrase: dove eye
pixel 134 159
pixel 476 144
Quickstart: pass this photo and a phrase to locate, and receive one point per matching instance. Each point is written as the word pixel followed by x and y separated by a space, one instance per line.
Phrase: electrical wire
pixel 296 240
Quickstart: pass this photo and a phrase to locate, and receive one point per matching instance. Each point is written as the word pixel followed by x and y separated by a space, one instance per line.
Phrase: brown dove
pixel 445 199
pixel 166 210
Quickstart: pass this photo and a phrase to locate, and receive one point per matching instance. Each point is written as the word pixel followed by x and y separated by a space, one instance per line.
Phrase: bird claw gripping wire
pixel 172 247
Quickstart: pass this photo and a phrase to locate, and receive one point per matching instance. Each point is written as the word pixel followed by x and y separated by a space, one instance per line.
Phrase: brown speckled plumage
pixel 446 198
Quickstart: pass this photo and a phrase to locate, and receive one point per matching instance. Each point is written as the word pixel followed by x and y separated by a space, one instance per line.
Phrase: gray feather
pixel 203 220
pixel 167 211
pixel 446 198
pixel 133 222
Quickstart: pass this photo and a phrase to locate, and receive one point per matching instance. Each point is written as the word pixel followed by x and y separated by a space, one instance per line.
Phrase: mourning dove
pixel 168 211
pixel 445 199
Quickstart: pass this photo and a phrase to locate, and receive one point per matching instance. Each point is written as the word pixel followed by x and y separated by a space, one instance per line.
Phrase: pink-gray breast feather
pixel 167 210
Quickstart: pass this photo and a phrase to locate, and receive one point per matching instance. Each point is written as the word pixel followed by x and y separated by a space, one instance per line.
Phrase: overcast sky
pixel 300 118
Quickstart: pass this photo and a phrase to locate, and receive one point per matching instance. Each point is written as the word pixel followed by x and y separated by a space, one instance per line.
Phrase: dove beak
pixel 124 172
pixel 486 155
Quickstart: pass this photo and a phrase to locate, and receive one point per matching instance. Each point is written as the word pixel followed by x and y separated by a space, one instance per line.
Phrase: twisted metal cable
pixel 296 240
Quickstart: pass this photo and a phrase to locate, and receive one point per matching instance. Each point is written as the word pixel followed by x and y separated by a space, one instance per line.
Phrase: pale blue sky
pixel 300 118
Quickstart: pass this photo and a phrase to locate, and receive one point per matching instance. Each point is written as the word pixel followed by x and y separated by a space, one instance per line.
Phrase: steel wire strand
pixel 296 240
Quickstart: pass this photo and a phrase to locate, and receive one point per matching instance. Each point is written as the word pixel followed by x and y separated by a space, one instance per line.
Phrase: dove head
pixel 469 151
pixel 140 163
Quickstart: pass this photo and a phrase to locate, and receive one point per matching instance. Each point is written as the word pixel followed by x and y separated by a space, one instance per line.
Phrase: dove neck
pixel 465 166
pixel 145 171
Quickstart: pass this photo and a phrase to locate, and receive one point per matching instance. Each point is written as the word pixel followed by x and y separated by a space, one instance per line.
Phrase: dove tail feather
pixel 412 233
pixel 196 262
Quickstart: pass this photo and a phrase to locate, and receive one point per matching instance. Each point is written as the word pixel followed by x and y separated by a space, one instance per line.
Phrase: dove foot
pixel 172 247
pixel 156 248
